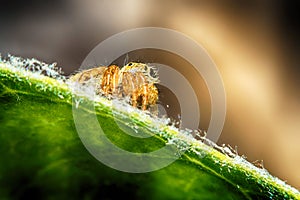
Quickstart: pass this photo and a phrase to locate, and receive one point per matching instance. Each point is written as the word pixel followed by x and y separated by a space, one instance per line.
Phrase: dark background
pixel 255 45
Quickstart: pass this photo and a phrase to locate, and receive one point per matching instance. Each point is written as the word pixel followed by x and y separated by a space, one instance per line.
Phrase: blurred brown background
pixel 255 45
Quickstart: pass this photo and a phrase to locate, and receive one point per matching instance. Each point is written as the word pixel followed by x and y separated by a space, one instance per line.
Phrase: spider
pixel 135 80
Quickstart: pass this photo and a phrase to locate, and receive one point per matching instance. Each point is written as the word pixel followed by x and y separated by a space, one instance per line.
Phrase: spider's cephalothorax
pixel 135 80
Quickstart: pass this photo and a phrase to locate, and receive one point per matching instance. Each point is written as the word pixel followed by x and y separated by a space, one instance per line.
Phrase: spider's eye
pixel 130 64
pixel 152 73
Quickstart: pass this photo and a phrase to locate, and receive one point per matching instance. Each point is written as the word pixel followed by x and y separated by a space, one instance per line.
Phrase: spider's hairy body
pixel 133 80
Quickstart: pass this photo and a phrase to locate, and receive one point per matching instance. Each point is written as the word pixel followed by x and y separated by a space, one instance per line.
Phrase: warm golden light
pixel 243 39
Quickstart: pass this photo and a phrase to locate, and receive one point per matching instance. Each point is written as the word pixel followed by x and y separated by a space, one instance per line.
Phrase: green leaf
pixel 42 155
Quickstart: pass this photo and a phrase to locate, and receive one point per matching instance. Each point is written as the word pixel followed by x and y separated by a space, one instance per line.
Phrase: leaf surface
pixel 42 154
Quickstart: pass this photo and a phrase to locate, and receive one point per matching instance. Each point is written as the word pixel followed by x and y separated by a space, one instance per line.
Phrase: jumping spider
pixel 135 80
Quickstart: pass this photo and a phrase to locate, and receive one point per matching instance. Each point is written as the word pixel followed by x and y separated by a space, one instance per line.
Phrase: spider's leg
pixel 144 94
pixel 150 99
pixel 105 81
pixel 134 98
pixel 110 80
pixel 115 80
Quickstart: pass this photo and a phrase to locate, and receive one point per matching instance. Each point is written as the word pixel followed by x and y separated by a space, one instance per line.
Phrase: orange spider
pixel 134 80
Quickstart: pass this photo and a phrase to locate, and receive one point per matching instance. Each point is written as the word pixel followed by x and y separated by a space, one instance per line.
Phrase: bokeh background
pixel 254 43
